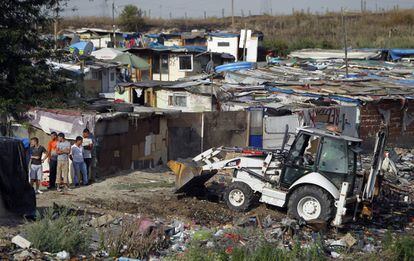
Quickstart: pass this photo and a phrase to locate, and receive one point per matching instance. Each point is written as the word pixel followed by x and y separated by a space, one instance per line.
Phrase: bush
pixel 54 232
pixel 263 252
pixel 132 242
pixel 280 47
pixel 401 248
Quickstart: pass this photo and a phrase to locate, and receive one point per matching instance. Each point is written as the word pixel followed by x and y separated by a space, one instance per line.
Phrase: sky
pixel 196 8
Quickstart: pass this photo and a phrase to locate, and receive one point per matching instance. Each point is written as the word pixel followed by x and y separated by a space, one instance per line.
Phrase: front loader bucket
pixel 188 176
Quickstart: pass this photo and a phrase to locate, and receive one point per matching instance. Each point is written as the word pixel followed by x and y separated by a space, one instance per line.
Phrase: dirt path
pixel 149 194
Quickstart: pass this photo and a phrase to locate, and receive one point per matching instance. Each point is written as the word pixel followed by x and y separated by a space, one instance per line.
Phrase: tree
pixel 26 79
pixel 131 19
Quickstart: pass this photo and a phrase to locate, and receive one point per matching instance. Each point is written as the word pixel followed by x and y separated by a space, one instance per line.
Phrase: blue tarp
pixel 397 54
pixel 190 48
pixel 130 35
pixel 157 46
pixel 235 66
pixel 193 48
pixel 256 141
pixel 152 35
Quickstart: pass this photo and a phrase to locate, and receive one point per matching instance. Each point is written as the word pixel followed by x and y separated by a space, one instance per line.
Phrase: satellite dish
pixel 83 48
pixel 75 39
pixel 87 50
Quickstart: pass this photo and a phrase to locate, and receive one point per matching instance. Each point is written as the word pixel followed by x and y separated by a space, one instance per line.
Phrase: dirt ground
pixel 150 194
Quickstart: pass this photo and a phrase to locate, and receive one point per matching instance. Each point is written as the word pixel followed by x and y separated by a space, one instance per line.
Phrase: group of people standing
pixel 58 153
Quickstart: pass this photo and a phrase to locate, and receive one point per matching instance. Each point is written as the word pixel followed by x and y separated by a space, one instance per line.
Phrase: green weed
pixel 54 232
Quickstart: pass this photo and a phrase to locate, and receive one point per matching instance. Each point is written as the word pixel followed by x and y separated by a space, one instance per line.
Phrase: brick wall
pixel 371 120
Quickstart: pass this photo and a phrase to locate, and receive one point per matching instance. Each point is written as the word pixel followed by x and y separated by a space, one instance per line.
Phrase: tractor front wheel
pixel 311 202
pixel 239 197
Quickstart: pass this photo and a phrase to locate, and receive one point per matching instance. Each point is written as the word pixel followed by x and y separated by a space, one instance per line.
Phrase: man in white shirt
pixel 79 166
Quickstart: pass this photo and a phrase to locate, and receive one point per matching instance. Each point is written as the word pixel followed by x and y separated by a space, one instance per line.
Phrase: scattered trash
pixel 338 243
pixel 317 224
pixel 368 248
pixel 23 256
pixel 128 259
pixel 102 220
pixel 335 254
pixel 145 226
pixel 349 240
pixel 63 255
pixel 21 242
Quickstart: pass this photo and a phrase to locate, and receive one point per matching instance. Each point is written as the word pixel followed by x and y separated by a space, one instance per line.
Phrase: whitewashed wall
pixel 195 102
pixel 212 45
pixel 174 68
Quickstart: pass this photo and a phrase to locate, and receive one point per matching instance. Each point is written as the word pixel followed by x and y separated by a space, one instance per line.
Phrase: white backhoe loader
pixel 315 179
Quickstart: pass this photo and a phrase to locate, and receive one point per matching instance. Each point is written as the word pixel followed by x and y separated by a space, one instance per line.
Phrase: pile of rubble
pixel 404 161
pixel 174 238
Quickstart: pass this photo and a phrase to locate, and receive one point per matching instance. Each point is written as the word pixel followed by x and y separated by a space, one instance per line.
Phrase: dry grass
pixel 300 30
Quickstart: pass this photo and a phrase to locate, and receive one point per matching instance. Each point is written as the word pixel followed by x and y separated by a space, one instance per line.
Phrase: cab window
pixel 301 158
pixel 304 152
pixel 333 157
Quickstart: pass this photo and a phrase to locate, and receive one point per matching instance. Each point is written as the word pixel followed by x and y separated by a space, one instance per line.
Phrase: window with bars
pixel 178 100
pixel 186 62
pixel 223 44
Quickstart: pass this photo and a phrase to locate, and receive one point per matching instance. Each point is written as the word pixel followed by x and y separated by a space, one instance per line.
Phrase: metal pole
pixel 232 15
pixel 345 42
pixel 244 41
pixel 56 23
pixel 113 23
pixel 202 132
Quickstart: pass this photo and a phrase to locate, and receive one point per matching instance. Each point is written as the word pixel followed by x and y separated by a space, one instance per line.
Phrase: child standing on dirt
pixel 36 160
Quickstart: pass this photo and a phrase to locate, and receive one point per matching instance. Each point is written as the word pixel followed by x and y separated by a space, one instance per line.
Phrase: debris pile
pixel 134 236
pixel 404 161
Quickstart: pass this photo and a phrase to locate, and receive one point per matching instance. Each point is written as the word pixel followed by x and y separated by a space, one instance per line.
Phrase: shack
pixel 174 63
pixel 189 96
pixel 235 44
pixel 134 140
pixel 374 95
pixel 93 77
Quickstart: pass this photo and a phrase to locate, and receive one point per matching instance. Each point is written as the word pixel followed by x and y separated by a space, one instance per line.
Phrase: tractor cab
pixel 332 155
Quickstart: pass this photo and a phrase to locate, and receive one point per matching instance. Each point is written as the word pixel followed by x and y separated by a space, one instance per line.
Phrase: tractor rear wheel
pixel 239 197
pixel 311 202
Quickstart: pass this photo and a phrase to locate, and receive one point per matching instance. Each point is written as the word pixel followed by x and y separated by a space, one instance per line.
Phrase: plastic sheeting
pixel 397 54
pixel 17 194
pixel 321 54
pixel 70 125
pixel 106 53
pixel 235 66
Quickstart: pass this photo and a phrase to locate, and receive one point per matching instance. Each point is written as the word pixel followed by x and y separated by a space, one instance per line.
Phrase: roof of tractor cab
pixel 325 133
